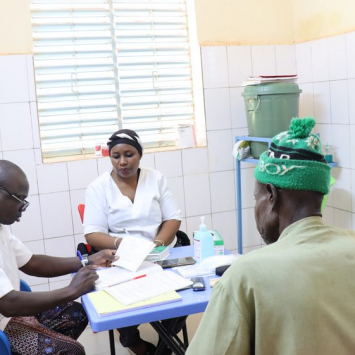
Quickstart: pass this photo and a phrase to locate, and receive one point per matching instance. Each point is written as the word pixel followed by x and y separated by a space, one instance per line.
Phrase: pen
pixel 79 255
pixel 134 278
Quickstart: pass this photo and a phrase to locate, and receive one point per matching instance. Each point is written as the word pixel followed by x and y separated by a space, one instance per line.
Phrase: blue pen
pixel 79 255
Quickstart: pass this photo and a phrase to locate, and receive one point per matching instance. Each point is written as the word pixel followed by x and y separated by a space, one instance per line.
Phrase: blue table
pixel 192 302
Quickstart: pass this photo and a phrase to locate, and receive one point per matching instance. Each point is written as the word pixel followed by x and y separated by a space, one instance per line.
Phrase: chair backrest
pixel 184 239
pixel 5 348
pixel 81 209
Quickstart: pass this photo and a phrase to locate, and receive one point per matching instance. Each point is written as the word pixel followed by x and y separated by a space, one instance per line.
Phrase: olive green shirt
pixel 296 296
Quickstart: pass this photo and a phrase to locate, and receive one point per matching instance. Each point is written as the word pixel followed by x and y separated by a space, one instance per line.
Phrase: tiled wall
pixel 202 179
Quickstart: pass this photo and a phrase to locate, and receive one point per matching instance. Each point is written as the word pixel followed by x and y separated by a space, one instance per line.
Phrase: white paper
pixel 132 251
pixel 148 287
pixel 115 275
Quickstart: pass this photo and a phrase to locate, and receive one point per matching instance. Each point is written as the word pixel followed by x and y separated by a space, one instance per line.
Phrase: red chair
pixel 84 246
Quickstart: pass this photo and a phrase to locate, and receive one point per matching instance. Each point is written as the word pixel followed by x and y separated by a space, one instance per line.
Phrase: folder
pixel 105 304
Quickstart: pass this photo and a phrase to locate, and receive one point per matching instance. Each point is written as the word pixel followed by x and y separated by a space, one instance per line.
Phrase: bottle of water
pixel 203 242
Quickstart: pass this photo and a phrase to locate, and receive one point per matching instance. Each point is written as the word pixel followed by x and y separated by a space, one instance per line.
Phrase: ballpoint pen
pixel 82 260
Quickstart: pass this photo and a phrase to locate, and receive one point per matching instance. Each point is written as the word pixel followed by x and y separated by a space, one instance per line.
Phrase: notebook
pixel 105 304
pixel 132 251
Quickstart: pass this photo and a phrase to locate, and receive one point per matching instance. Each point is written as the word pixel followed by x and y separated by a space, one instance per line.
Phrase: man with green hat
pixel 296 295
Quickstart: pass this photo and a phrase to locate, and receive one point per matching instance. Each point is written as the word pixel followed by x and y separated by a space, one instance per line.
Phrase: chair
pixel 5 348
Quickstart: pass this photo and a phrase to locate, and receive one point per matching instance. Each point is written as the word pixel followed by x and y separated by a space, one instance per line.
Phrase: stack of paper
pixel 262 79
pixel 132 251
pixel 147 287
pixel 105 304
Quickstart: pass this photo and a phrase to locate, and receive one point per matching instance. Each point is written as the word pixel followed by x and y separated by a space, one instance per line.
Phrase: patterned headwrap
pixel 294 160
pixel 126 136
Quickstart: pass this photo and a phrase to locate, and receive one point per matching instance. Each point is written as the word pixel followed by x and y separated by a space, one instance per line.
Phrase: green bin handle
pixel 250 102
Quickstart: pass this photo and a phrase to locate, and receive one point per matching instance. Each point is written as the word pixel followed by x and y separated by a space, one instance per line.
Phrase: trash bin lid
pixel 271 88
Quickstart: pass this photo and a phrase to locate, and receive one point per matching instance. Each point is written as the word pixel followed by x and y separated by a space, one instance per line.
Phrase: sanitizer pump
pixel 203 242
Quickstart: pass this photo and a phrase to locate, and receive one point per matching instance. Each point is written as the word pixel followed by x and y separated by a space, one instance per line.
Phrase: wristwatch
pixel 84 260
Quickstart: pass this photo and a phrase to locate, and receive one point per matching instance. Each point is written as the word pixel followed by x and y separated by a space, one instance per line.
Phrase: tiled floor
pixel 98 343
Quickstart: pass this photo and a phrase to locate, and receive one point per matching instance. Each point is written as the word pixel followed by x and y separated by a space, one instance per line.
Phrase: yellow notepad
pixel 105 304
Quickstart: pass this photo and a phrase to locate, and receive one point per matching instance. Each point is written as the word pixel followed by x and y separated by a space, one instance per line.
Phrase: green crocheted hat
pixel 294 160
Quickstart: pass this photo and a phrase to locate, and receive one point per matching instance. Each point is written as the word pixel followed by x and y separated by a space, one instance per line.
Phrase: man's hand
pixel 84 280
pixel 103 258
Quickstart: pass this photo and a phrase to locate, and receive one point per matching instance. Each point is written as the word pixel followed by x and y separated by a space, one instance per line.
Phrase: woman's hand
pixel 103 258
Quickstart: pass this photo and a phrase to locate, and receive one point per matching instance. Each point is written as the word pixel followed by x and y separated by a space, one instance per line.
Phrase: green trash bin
pixel 269 108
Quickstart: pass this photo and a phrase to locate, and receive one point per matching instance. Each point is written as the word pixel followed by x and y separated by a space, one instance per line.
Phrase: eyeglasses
pixel 24 202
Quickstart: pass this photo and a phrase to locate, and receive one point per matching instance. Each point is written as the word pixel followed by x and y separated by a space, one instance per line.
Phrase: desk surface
pixel 192 302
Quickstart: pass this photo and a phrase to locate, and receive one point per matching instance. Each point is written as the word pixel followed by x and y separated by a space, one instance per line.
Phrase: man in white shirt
pixel 39 322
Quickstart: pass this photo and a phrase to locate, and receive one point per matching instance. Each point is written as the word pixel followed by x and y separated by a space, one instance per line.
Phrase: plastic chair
pixel 5 348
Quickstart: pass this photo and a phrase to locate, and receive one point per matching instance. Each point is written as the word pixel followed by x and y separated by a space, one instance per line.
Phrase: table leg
pixel 169 338
pixel 112 342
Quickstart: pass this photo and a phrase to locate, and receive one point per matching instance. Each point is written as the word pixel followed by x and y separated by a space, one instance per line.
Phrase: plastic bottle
pixel 203 242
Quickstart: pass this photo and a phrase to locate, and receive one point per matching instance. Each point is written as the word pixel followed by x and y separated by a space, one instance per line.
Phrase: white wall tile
pixel 30 77
pixel 353 191
pixel 304 62
pixel 35 127
pixel 38 156
pixel 351 93
pixel 52 178
pixel 103 165
pixel 30 226
pixel 220 146
pixel 325 133
pixel 148 161
pixel 263 59
pixel 79 238
pixel 77 197
pixel 339 102
pixel 342 189
pixel 176 186
pixel 169 163
pixel 321 98
pixel 194 161
pixel 320 63
pixel 193 224
pixel 352 147
pixel 226 224
pixel 350 53
pixel 56 285
pixel 341 145
pixel 337 57
pixel 239 64
pixel 81 173
pixel 25 159
pixel 353 221
pixel 16 126
pixel 60 247
pixel 251 236
pixel 40 288
pixel 247 187
pixel 197 195
pixel 342 219
pixel 306 100
pixel 36 247
pixel 237 108
pixel 285 59
pixel 13 83
pixel 54 224
pixel 215 67
pixel 222 191
pixel 217 106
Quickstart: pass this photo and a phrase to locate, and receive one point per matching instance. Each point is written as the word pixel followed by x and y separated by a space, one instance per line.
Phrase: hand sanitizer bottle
pixel 203 242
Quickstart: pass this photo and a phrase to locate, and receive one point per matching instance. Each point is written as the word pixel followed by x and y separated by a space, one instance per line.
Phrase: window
pixel 110 64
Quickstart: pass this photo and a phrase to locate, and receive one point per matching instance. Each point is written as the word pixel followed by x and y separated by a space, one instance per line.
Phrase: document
pixel 147 287
pixel 105 304
pixel 115 275
pixel 132 251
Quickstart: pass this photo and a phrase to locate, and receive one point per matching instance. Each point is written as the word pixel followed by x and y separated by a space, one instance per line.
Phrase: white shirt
pixel 13 255
pixel 108 211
